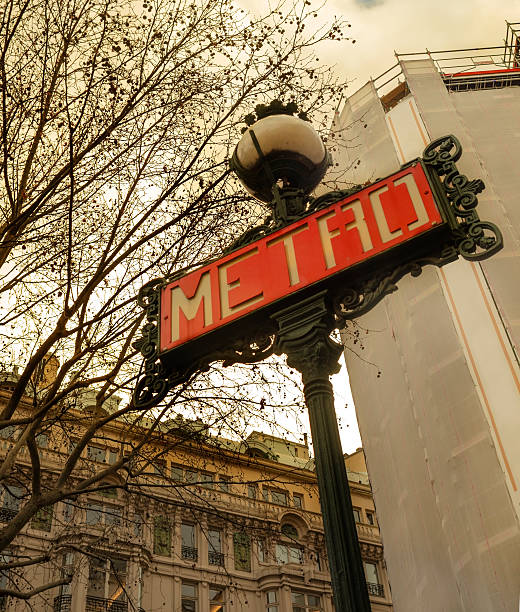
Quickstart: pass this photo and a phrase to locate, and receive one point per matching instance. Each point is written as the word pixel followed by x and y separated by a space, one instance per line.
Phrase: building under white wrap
pixel 441 424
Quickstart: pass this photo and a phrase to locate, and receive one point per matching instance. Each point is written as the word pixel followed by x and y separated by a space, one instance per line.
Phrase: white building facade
pixel 441 422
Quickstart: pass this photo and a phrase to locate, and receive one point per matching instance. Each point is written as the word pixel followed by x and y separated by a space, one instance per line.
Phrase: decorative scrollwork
pixel 356 301
pixel 250 235
pixel 153 386
pixel 481 239
pixel 444 150
pixel 331 197
pixel 248 350
pixel 475 239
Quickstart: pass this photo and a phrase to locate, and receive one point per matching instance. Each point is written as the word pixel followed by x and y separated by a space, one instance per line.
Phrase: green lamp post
pixel 280 159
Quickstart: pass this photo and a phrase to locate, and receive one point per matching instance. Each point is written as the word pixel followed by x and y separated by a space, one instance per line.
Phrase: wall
pixel 440 425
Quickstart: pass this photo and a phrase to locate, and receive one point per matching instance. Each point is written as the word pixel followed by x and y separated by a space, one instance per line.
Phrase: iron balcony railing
pixel 97 604
pixel 376 589
pixel 189 553
pixel 6 515
pixel 62 603
pixel 215 558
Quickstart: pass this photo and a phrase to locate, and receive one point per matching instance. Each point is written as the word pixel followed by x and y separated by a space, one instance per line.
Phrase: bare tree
pixel 117 119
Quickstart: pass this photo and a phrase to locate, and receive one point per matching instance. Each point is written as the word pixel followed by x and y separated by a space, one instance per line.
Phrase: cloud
pixel 368 3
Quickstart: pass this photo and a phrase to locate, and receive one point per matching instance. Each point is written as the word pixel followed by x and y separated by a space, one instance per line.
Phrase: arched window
pixel 288 552
pixel 289 531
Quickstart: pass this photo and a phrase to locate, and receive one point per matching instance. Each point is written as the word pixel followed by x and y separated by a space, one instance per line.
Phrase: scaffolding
pixel 460 69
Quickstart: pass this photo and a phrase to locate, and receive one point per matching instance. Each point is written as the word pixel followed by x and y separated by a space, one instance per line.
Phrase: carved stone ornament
pixel 371 552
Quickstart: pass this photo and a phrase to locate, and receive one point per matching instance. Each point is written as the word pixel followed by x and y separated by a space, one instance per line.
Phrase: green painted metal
pixel 303 334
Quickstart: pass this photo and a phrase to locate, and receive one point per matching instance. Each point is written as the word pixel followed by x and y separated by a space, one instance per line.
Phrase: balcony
pixel 189 553
pixel 97 604
pixel 63 603
pixel 375 589
pixel 215 558
pixel 6 515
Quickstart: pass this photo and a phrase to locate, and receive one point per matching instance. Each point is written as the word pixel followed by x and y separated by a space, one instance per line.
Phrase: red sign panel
pixel 329 241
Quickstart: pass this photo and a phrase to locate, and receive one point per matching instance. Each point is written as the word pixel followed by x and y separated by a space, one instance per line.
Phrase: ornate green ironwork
pixel 303 334
pixel 276 107
pixel 474 239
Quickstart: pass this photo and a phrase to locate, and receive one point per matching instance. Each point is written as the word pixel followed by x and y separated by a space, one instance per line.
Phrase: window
pixel 305 602
pixel 107 579
pixel 317 561
pixel 69 509
pixel 113 456
pixel 42 440
pixel 103 514
pixel 110 493
pixel 215 556
pixel 242 550
pixel 137 525
pixel 42 520
pixel 191 476
pixel 189 544
pixel 189 597
pixel 162 537
pixel 290 531
pixel 357 514
pixel 223 483
pixel 159 467
pixel 252 491
pixel 263 551
pixel 95 453
pixel 11 501
pixel 272 601
pixel 7 433
pixel 288 554
pixel 177 473
pixel 216 599
pixel 67 570
pixel 279 497
pixel 94 512
pixel 298 500
pixel 370 518
pixel 206 480
pixel 372 577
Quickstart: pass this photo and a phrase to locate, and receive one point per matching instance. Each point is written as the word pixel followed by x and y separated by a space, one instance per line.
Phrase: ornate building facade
pixel 210 525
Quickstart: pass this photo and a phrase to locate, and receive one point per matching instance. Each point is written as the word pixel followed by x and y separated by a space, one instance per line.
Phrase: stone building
pixel 211 525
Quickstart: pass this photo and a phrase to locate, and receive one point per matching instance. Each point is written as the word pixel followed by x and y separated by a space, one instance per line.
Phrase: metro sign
pixel 307 255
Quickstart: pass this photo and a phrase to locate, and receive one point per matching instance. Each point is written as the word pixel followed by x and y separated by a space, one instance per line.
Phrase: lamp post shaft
pixel 304 335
